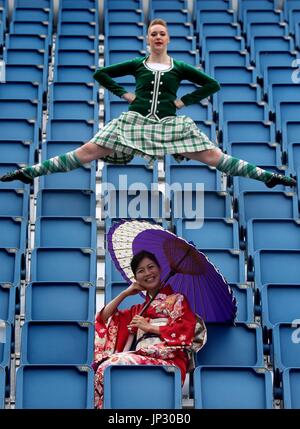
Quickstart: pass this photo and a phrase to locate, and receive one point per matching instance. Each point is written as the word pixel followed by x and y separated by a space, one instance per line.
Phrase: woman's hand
pixel 129 96
pixel 133 289
pixel 139 322
pixel 179 104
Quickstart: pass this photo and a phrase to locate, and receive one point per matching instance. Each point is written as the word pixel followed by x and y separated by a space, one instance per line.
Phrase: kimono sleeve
pixel 180 328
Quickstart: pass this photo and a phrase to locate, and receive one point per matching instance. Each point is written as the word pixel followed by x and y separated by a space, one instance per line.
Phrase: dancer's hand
pixel 129 96
pixel 139 322
pixel 133 289
pixel 179 104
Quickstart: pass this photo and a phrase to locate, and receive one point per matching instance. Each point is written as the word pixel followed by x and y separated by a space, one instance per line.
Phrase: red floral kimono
pixel 181 333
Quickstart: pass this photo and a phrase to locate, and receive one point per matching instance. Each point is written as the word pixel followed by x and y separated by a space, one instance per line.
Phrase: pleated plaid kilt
pixel 133 134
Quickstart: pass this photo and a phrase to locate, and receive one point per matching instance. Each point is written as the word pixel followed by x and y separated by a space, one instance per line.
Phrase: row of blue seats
pixel 70 386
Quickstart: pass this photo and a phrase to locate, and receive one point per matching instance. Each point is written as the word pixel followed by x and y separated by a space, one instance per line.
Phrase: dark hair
pixel 135 261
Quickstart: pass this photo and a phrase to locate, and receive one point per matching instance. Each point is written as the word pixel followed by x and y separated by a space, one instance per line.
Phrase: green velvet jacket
pixel 156 90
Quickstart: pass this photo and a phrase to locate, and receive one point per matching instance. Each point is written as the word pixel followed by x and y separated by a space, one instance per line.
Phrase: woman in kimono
pixel 150 127
pixel 168 332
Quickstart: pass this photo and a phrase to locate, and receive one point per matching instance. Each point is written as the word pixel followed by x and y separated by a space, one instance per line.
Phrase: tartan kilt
pixel 133 134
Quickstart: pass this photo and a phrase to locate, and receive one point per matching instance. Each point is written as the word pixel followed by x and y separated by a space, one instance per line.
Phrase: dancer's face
pixel 158 38
pixel 148 275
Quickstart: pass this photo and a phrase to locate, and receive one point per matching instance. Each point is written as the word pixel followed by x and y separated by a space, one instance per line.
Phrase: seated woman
pixel 167 334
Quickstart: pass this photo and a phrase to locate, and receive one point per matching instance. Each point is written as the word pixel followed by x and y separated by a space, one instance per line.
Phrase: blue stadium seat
pixel 244 302
pixel 281 93
pixel 229 262
pixel 214 17
pixel 241 111
pixel 245 131
pixel 73 91
pixel 268 44
pixel 233 388
pixel 70 129
pixel 265 204
pixel 19 129
pixel 233 75
pixel 265 29
pixel 137 29
pixel 128 386
pixel 67 57
pixel 65 232
pixel 2 386
pixel 26 57
pixel 80 4
pixel 37 14
pixel 6 336
pixel 219 58
pixel 280 303
pixel 14 151
pixel 80 43
pixel 179 29
pixel 276 266
pixel 291 11
pixel 58 343
pixel 286 111
pixel 190 173
pixel 30 110
pixel 286 350
pixel 224 44
pixel 21 90
pixel 266 59
pixel 26 42
pixel 213 234
pixel 271 234
pixel 135 174
pixel 13 232
pixel 78 74
pixel 78 15
pixel 291 383
pixel 123 15
pixel 171 15
pixel 7 302
pixel 61 301
pixel 14 202
pixel 239 345
pixel 64 386
pixel 113 289
pixel 263 153
pixel 66 28
pixel 289 134
pixel 71 109
pixel 277 74
pixel 259 15
pixel 63 265
pixel 293 157
pixel 248 5
pixel 215 204
pixel 236 92
pixel 42 28
pixel 10 265
pixel 32 4
pixel 218 29
pixel 80 178
pixel 52 202
pixel 30 73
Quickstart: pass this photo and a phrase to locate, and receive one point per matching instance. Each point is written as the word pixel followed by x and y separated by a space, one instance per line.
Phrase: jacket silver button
pixel 159 93
pixel 151 92
pixel 152 81
pixel 148 110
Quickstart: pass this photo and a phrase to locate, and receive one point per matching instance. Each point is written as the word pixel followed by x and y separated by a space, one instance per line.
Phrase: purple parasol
pixel 188 270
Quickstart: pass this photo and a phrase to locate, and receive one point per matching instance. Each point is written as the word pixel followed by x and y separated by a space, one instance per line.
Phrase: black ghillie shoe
pixel 16 175
pixel 279 179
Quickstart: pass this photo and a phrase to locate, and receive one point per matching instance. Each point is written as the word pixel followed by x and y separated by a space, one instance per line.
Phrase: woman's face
pixel 148 274
pixel 158 38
